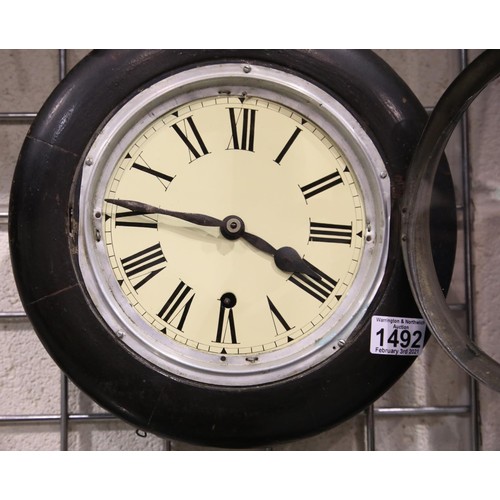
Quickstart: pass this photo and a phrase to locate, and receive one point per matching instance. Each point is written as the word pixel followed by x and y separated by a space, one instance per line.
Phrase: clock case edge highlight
pixel 44 222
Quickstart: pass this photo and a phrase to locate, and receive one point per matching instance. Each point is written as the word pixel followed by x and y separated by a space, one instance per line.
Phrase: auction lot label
pixel 397 336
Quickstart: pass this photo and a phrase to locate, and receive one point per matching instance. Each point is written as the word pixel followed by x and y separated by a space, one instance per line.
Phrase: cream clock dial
pixel 289 184
pixel 239 229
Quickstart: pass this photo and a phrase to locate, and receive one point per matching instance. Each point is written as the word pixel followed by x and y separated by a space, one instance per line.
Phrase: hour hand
pixel 144 208
pixel 287 259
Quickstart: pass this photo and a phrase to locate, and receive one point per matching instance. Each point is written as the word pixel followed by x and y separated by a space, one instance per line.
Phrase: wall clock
pixel 203 239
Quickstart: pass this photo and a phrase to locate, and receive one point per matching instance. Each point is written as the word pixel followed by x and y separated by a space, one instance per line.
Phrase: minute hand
pixel 286 259
pixel 144 208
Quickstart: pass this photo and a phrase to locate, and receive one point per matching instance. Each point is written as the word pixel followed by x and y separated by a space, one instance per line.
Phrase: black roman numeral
pixel 150 171
pixel 191 138
pixel 242 128
pixel 226 330
pixel 176 308
pixel 288 145
pixel 331 233
pixel 320 286
pixel 278 319
pixel 141 265
pixel 321 185
pixel 127 219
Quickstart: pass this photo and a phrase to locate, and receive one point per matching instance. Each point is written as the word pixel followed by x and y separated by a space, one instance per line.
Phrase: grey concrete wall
pixel 30 382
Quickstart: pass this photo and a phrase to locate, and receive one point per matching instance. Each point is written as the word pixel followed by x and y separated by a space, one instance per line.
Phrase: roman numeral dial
pixel 299 224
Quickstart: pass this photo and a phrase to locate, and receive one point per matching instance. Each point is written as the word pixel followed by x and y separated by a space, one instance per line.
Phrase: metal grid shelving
pixel 65 419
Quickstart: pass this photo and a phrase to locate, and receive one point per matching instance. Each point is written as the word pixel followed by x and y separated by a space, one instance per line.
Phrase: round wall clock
pixel 202 239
